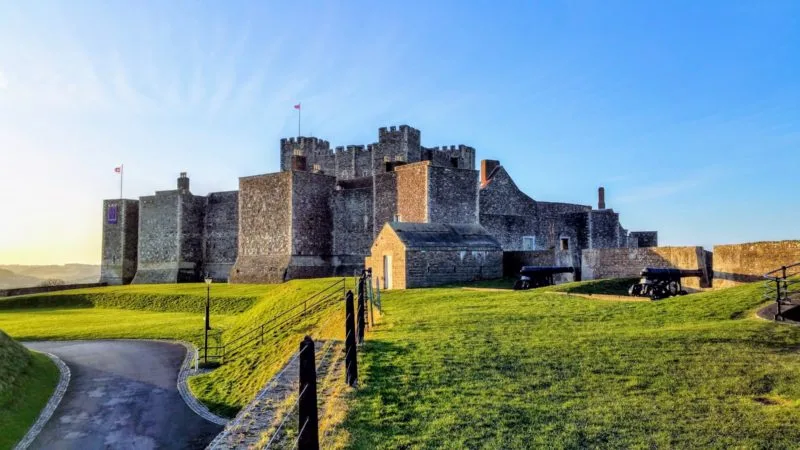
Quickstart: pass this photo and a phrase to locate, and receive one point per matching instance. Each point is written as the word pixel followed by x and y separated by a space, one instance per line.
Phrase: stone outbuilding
pixel 410 255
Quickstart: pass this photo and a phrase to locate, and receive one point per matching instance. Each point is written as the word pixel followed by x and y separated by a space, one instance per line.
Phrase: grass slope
pixel 27 381
pixel 190 297
pixel 452 368
pixel 229 388
pixel 176 312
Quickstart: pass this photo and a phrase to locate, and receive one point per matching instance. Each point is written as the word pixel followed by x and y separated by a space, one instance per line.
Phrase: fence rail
pixel 783 286
pixel 308 437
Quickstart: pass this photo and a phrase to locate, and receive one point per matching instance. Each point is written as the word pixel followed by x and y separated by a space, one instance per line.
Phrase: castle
pixel 320 215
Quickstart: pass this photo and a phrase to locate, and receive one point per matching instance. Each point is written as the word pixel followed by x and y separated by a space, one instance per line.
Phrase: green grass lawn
pixel 453 368
pixel 176 312
pixel 27 380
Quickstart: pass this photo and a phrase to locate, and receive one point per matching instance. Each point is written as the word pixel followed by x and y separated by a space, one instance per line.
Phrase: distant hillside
pixel 14 276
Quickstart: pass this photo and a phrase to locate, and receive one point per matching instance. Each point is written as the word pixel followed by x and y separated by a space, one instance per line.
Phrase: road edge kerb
pixel 183 388
pixel 50 407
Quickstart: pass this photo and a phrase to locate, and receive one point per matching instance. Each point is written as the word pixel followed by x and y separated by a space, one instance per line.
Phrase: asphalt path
pixel 122 395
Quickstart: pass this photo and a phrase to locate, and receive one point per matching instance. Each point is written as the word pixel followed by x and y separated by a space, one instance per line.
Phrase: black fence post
pixel 350 341
pixel 308 420
pixel 361 308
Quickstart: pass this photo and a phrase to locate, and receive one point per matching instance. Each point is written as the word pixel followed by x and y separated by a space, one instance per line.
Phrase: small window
pixel 528 242
pixel 297 152
pixel 564 243
pixel 454 162
pixel 316 168
pixel 387 159
pixel 397 218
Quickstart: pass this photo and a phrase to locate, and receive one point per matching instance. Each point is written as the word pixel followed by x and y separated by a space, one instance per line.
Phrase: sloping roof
pixel 440 236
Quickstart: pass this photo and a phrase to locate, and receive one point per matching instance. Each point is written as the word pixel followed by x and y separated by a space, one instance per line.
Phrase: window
pixel 454 162
pixel 297 152
pixel 316 168
pixel 528 242
pixel 564 243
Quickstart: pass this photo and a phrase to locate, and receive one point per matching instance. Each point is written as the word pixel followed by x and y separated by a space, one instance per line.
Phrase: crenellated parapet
pixel 396 145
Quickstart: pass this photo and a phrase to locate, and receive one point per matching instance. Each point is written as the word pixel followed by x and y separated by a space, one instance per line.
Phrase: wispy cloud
pixel 670 187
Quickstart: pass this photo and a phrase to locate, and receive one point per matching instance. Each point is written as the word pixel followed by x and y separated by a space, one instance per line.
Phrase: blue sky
pixel 687 112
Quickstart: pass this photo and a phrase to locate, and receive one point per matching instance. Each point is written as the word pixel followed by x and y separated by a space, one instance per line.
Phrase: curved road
pixel 122 394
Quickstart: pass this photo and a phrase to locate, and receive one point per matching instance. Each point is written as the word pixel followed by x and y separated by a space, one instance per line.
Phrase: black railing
pixel 783 286
pixel 319 301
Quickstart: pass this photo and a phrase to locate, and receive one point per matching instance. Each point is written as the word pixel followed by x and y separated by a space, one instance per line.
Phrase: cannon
pixel 533 276
pixel 661 283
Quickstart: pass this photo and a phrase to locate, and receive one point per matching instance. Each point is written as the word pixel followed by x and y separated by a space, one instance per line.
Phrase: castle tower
pixel 120 241
pixel 396 144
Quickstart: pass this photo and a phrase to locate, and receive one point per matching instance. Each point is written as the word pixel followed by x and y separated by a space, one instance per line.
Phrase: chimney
pixel 183 183
pixel 601 198
pixel 487 167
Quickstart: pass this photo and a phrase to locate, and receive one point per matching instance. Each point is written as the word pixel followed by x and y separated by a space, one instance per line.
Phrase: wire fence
pixel 221 351
pixel 356 319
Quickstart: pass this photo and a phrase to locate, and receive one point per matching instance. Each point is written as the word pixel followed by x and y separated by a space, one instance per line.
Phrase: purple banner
pixel 112 214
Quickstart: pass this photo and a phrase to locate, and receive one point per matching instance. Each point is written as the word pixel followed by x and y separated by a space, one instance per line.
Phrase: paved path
pixel 122 394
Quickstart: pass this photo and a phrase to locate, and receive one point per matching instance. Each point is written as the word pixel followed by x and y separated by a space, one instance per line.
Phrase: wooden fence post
pixel 350 342
pixel 308 421
pixel 361 308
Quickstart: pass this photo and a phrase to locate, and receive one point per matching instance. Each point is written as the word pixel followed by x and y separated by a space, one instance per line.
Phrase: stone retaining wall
pixel 745 263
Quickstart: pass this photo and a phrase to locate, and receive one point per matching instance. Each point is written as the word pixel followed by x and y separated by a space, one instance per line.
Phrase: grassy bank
pixel 176 312
pixel 27 381
pixel 452 368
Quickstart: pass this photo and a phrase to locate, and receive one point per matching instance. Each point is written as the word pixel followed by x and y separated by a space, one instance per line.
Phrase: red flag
pixel 118 169
pixel 297 106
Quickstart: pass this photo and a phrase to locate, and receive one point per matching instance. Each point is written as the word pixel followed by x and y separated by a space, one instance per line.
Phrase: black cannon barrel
pixel 527 270
pixel 653 272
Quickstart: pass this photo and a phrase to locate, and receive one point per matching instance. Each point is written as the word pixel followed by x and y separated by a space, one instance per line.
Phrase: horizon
pixel 686 113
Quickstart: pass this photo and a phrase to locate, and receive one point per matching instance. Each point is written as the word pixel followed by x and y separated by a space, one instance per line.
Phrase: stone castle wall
pixel 514 261
pixel 265 228
pixel 221 234
pixel 435 268
pixel 628 262
pixel 452 195
pixel 413 182
pixel 120 242
pixel 744 263
pixel 159 238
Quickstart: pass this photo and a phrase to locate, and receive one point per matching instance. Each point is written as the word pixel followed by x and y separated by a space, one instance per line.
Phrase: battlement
pixel 303 141
pixel 401 133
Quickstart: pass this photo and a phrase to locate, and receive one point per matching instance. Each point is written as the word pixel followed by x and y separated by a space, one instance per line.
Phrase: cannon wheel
pixel 673 289
pixel 522 285
pixel 635 290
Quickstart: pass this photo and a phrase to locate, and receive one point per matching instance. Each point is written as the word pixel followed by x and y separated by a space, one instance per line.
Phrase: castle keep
pixel 321 214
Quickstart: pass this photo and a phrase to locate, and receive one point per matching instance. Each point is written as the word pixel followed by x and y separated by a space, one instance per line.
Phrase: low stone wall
pixel 40 289
pixel 514 260
pixel 745 263
pixel 629 262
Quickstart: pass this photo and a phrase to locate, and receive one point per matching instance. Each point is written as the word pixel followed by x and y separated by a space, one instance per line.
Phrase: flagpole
pixel 299 112
pixel 121 175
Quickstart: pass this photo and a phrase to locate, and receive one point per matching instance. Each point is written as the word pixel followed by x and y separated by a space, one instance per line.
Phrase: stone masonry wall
pixel 744 263
pixel 385 200
pixel 159 238
pixel 452 195
pixel 387 244
pixel 604 226
pixel 643 239
pixel 221 234
pixel 629 262
pixel 192 225
pixel 352 221
pixel 265 229
pixel 413 184
pixel 120 242
pixel 435 268
pixel 506 212
pixel 312 225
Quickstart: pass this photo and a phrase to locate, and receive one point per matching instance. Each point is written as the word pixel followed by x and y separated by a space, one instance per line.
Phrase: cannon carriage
pixel 661 283
pixel 533 277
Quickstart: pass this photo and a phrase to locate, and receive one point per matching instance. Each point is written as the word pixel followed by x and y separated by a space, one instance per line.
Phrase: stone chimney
pixel 487 167
pixel 183 183
pixel 601 198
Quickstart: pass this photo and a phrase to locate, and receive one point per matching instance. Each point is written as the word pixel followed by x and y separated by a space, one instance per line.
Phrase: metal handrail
pixel 283 313
pixel 241 342
pixel 780 284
